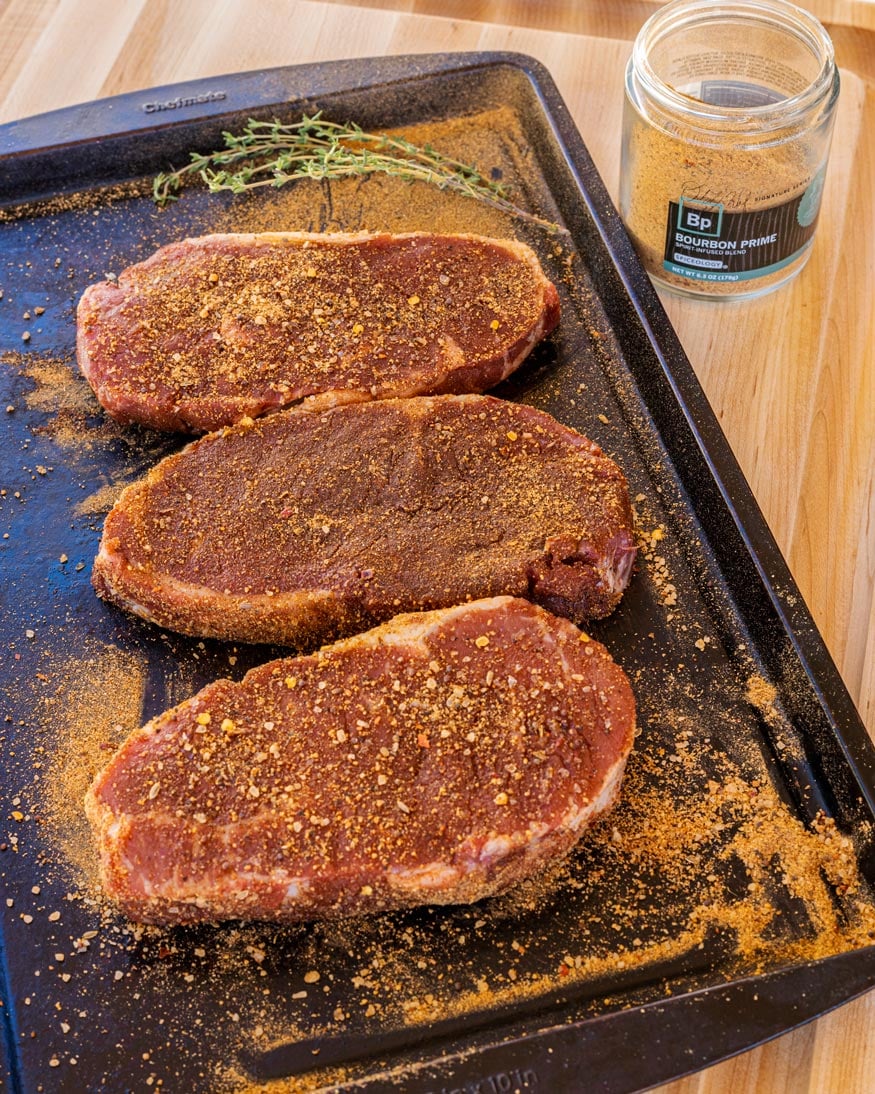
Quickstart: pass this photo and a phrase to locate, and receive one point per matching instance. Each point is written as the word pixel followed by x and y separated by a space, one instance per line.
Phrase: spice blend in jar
pixel 727 124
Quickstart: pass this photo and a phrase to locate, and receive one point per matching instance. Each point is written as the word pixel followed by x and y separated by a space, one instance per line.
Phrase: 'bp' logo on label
pixel 703 218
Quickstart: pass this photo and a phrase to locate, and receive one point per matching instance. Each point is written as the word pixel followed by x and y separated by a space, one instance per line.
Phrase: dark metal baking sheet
pixel 526 992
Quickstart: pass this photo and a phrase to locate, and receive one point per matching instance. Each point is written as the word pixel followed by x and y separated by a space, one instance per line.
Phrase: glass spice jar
pixel 726 131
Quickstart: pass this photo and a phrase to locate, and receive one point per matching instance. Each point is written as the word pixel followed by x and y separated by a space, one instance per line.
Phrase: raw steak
pixel 208 331
pixel 309 525
pixel 435 760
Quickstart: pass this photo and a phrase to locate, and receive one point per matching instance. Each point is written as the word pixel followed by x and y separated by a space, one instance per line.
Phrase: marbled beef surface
pixel 210 330
pixel 305 525
pixel 437 759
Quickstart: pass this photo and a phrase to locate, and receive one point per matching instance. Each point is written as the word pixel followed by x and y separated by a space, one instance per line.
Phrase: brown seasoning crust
pixel 438 759
pixel 211 330
pixel 305 526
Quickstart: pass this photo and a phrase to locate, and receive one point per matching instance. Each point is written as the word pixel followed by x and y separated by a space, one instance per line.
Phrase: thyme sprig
pixel 274 154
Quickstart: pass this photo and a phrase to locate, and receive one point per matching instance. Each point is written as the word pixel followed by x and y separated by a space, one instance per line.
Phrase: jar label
pixel 706 243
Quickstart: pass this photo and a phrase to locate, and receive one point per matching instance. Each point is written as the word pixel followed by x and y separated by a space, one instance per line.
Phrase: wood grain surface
pixel 791 376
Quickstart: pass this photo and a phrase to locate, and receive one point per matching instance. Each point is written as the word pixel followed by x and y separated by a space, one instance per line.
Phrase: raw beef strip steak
pixel 305 525
pixel 435 760
pixel 211 330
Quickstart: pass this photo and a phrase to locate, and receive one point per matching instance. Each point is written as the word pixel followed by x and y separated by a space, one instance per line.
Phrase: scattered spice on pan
pixel 71 417
pixel 95 703
pixel 101 501
pixel 384 203
pixel 649 552
pixel 273 154
pixel 761 693
pixel 95 199
pixel 56 384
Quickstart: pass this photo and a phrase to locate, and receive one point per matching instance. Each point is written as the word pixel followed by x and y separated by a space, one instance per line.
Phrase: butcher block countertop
pixel 791 376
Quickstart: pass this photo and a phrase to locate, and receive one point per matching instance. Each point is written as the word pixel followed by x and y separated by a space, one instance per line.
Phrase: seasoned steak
pixel 208 331
pixel 435 760
pixel 308 525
